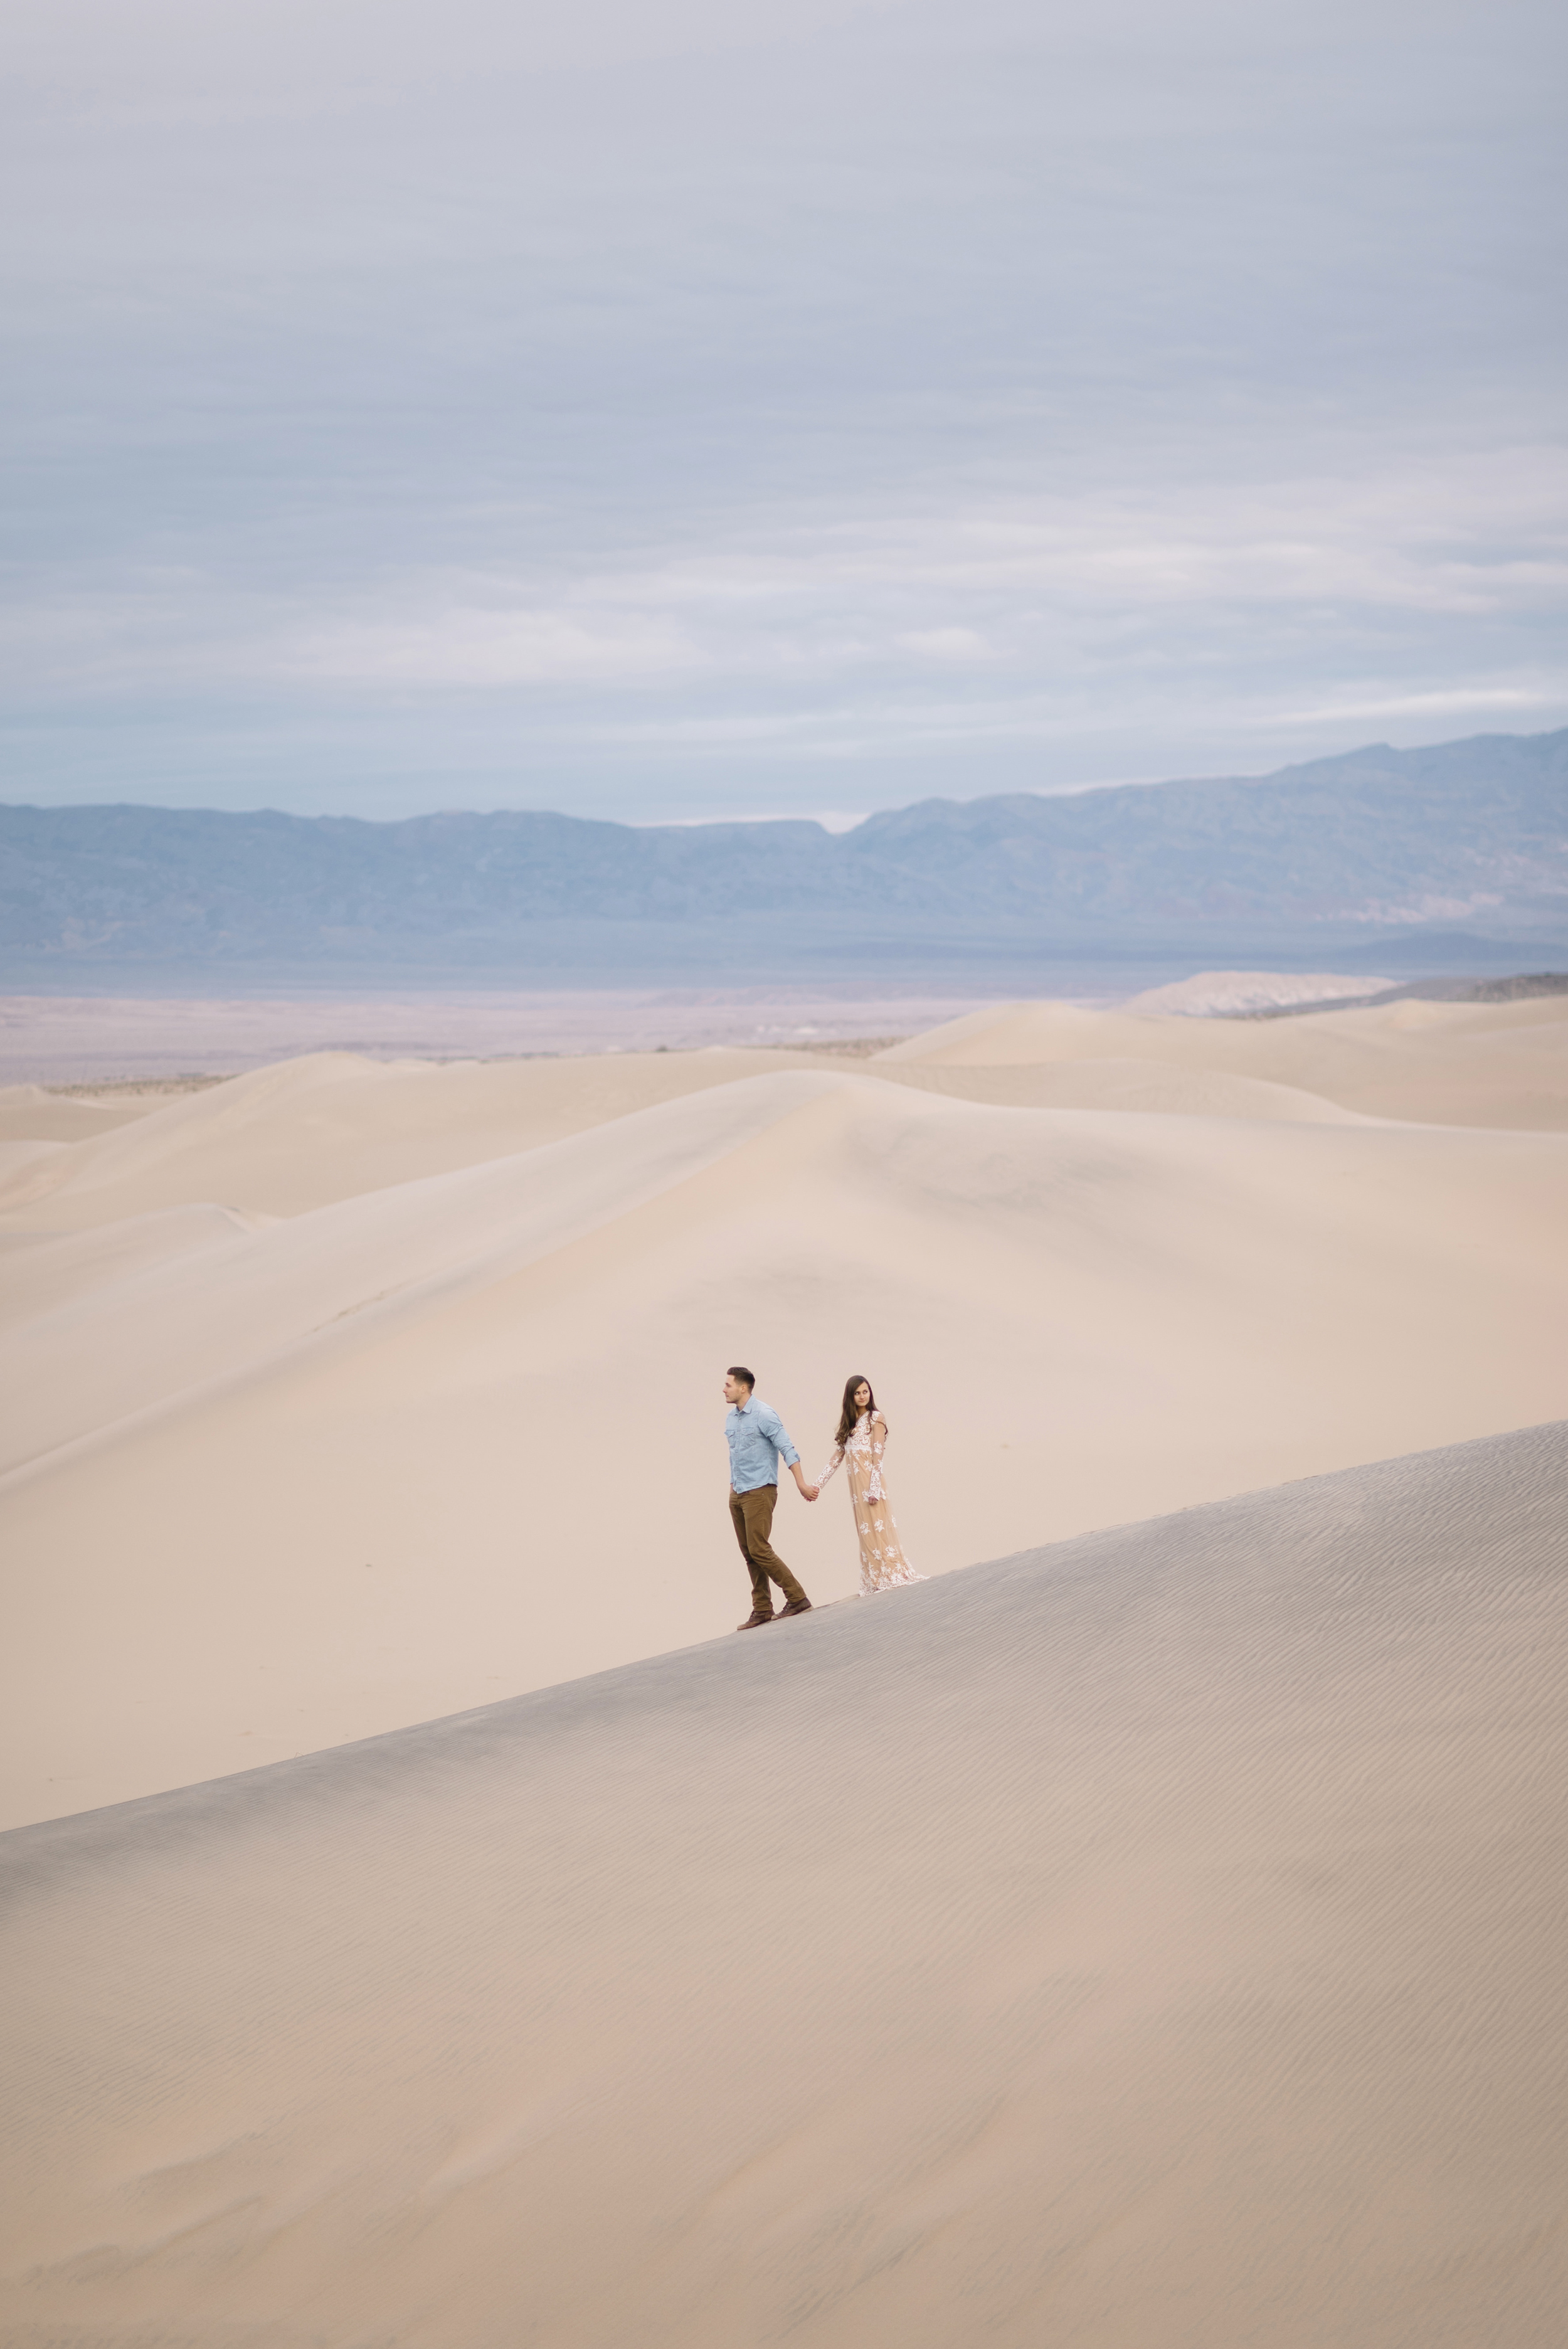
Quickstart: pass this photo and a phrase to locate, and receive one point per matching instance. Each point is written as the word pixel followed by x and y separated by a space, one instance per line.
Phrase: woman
pixel 861 1440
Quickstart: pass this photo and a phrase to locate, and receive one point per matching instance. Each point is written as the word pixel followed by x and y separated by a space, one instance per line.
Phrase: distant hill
pixel 1454 857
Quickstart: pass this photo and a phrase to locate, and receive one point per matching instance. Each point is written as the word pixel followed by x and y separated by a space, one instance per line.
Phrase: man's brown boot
pixel 796 1607
pixel 754 1619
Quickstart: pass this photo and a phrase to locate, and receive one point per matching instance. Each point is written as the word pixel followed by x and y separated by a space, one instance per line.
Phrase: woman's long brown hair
pixel 849 1414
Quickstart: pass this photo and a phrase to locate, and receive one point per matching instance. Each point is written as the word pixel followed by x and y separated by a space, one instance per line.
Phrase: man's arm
pixel 779 1436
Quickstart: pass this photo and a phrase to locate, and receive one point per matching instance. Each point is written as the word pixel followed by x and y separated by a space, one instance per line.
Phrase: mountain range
pixel 1454 857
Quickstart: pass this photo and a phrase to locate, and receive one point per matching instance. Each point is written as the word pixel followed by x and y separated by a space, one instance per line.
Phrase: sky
pixel 662 409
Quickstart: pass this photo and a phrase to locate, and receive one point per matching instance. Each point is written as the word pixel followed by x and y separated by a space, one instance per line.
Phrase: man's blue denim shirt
pixel 757 1442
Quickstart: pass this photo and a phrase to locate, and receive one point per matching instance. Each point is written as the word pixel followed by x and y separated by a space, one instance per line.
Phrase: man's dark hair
pixel 746 1377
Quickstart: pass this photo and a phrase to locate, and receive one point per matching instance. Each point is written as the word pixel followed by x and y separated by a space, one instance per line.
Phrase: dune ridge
pixel 1147 1942
pixel 1440 1063
pixel 1209 991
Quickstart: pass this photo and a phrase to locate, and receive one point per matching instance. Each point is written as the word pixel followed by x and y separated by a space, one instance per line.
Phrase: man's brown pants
pixel 751 1513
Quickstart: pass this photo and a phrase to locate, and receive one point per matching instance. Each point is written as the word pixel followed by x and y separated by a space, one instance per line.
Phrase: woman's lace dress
pixel 882 1562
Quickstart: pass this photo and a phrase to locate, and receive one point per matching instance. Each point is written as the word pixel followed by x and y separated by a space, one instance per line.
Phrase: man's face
pixel 735 1390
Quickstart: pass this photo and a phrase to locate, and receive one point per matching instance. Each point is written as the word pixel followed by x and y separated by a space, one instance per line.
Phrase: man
pixel 756 1442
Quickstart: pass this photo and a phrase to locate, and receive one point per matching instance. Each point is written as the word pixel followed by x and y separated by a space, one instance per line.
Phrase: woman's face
pixel 862 1396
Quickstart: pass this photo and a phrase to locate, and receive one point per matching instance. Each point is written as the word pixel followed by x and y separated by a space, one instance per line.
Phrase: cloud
pixel 1051 589
pixel 1453 701
pixel 951 644
pixel 647 400
pixel 480 647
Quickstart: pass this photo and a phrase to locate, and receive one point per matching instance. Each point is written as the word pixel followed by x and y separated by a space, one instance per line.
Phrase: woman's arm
pixel 833 1467
pixel 878 1445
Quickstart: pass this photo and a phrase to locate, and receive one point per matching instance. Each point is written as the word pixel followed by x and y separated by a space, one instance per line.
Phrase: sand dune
pixel 1147 1942
pixel 1252 991
pixel 332 1126
pixel 1142 1085
pixel 217 1304
pixel 40 1273
pixel 37 1126
pixel 30 1112
pixel 1150 1943
pixel 19 1159
pixel 278 1481
pixel 1446 1063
